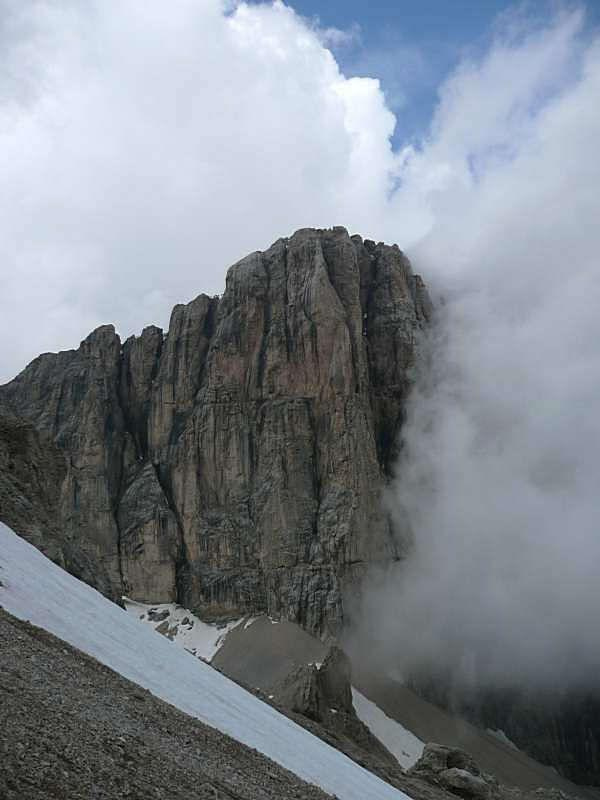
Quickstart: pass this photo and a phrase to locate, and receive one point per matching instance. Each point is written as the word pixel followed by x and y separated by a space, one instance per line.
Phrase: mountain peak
pixel 235 464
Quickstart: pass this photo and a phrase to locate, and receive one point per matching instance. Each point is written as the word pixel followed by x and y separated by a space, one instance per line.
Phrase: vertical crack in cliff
pixel 267 314
pixel 352 334
pixel 289 347
pixel 316 472
pixel 182 560
pixel 121 481
pixel 367 307
pixel 208 331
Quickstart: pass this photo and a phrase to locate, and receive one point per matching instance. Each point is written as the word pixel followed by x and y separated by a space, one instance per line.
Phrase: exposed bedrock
pixel 236 463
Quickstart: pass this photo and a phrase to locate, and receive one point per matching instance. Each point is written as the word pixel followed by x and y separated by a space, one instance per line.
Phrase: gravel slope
pixel 71 728
pixel 35 589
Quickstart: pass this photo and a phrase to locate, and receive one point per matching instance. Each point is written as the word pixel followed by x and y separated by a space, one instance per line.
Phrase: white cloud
pixel 145 146
pixel 499 473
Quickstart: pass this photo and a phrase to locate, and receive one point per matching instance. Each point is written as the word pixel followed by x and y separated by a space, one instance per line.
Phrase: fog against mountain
pixel 498 476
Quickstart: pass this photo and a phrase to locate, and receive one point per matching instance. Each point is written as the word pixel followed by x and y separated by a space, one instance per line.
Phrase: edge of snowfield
pixel 182 627
pixel 33 588
pixel 406 748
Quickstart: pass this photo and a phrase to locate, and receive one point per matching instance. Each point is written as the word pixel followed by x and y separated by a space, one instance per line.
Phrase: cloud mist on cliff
pixel 499 471
pixel 146 146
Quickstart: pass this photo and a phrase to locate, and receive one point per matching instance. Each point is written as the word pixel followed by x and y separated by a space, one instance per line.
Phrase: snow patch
pixel 182 627
pixel 401 743
pixel 35 589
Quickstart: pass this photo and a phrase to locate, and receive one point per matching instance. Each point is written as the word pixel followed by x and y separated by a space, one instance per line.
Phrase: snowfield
pixel 401 743
pixel 33 588
pixel 182 627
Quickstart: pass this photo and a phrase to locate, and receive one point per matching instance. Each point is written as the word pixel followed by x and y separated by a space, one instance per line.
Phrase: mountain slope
pixel 432 724
pixel 72 729
pixel 262 654
pixel 35 589
pixel 235 464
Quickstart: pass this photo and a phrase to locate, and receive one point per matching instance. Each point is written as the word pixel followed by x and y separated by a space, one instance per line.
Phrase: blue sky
pixel 411 45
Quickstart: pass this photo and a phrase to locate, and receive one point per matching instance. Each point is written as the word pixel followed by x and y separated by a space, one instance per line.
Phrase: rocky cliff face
pixel 236 463
pixel 32 472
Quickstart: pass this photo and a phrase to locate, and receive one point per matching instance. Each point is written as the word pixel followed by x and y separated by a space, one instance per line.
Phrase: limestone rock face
pixel 299 692
pixel 149 539
pixel 236 464
pixel 32 470
pixel 335 678
pixel 73 396
pixel 316 691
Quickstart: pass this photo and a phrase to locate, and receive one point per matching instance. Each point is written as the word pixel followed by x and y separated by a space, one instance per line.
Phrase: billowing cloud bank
pixel 500 470
pixel 145 146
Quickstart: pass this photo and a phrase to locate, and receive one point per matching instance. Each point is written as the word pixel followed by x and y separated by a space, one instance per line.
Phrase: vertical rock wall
pixel 236 464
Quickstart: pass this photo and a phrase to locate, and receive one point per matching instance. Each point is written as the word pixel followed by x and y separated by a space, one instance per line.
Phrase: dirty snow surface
pixel 401 743
pixel 182 627
pixel 35 589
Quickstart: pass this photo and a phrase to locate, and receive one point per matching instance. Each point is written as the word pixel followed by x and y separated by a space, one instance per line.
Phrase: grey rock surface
pixel 236 463
pixel 465 784
pixel 317 690
pixel 322 693
pixel 455 771
pixel 149 543
pixel 335 680
pixel 299 692
pixel 437 758
pixel 32 474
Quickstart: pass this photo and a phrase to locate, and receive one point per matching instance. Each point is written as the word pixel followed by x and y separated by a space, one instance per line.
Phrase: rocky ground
pixel 72 729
